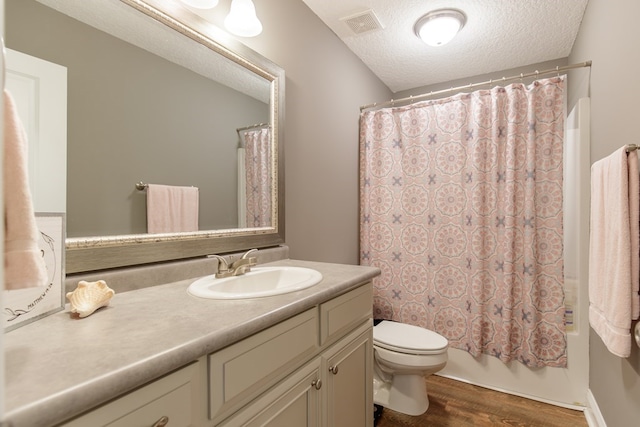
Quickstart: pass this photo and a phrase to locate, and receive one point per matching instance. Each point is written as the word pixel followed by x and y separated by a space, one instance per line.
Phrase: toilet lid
pixel 405 338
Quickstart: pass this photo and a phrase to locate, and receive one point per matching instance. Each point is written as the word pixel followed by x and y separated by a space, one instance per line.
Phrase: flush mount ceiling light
pixel 242 19
pixel 439 27
pixel 201 4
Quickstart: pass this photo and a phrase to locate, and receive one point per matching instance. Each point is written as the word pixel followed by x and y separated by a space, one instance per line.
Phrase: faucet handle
pixel 223 265
pixel 243 264
pixel 244 256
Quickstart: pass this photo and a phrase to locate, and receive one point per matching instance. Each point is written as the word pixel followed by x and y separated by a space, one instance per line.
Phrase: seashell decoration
pixel 89 296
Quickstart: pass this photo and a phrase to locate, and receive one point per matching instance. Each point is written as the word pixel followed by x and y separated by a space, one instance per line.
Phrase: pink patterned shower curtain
pixel 461 209
pixel 258 177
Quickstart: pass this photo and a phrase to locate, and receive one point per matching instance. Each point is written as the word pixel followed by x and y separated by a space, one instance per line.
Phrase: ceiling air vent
pixel 362 22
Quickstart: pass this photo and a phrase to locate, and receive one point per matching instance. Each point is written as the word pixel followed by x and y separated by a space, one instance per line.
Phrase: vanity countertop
pixel 61 366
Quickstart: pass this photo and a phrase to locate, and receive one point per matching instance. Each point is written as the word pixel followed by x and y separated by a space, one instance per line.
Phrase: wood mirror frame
pixel 105 252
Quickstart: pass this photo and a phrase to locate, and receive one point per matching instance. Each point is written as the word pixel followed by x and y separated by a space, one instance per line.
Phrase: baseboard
pixel 592 412
pixel 515 393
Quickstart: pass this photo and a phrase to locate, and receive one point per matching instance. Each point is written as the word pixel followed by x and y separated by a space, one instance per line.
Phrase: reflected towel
pixel 613 249
pixel 24 265
pixel 172 209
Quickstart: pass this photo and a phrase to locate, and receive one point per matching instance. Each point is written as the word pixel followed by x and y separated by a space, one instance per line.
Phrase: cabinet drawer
pixel 172 396
pixel 243 370
pixel 344 313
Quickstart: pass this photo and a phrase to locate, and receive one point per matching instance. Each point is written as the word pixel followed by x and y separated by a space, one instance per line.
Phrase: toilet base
pixel 406 394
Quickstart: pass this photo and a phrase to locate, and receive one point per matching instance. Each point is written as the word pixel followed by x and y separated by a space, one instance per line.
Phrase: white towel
pixel 172 209
pixel 24 265
pixel 613 249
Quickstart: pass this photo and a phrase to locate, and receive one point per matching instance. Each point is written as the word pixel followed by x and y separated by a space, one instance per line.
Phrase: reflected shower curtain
pixel 461 209
pixel 258 177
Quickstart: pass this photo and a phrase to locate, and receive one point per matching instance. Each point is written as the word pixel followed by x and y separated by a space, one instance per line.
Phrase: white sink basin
pixel 259 282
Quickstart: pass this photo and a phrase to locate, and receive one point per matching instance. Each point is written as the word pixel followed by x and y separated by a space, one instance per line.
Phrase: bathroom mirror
pixel 190 45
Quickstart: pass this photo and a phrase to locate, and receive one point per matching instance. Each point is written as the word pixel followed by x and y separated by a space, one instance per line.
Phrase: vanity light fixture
pixel 242 19
pixel 439 27
pixel 201 4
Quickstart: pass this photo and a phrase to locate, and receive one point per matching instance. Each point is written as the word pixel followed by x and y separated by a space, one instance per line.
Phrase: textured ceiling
pixel 499 35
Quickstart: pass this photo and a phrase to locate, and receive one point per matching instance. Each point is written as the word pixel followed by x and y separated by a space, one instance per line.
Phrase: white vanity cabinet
pixel 313 369
pixel 330 387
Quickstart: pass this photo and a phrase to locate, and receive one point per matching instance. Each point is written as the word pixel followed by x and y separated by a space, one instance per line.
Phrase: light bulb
pixel 439 27
pixel 242 20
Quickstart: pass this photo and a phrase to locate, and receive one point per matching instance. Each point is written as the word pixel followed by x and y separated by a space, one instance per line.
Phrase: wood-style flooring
pixel 458 404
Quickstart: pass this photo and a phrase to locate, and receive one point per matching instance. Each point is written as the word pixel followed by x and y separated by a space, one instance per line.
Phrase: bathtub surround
pixel 461 204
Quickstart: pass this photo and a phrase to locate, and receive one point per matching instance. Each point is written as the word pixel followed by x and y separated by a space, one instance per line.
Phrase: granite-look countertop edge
pixel 164 329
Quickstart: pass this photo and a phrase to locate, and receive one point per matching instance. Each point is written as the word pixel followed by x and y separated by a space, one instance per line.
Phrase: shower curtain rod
pixel 257 125
pixel 473 85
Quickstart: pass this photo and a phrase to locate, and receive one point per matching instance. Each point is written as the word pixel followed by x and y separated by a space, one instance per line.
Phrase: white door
pixel 39 89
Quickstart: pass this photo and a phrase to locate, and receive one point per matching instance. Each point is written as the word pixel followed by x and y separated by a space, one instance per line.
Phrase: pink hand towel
pixel 613 249
pixel 172 209
pixel 23 263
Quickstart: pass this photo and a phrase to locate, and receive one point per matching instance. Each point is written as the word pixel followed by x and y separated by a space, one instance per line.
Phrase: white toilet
pixel 403 356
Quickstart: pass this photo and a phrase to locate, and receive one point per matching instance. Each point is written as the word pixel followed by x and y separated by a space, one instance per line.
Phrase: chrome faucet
pixel 237 268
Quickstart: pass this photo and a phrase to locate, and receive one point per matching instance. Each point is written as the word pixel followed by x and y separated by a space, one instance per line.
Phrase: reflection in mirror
pixel 151 99
pixel 254 186
pixel 134 115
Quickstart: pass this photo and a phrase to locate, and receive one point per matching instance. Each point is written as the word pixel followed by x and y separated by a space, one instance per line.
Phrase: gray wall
pixel 325 86
pixel 183 132
pixel 609 36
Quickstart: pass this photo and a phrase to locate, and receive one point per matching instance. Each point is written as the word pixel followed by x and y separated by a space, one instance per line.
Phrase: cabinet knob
pixel 317 384
pixel 333 369
pixel 162 422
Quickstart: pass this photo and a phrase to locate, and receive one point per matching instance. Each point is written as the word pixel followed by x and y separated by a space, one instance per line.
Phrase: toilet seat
pixel 408 339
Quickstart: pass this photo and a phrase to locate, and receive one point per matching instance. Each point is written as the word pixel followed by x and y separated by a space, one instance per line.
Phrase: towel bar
pixel 632 147
pixel 142 186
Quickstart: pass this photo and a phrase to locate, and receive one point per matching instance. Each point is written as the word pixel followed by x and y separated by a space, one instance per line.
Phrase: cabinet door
pixel 349 380
pixel 293 402
pixel 241 372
